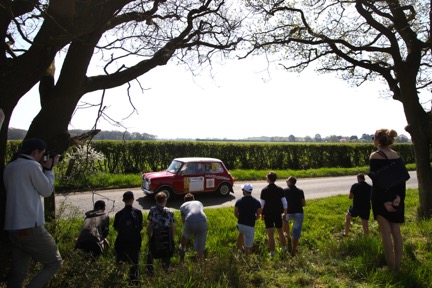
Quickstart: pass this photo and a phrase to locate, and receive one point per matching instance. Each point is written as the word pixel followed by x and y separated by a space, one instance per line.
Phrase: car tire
pixel 167 190
pixel 224 189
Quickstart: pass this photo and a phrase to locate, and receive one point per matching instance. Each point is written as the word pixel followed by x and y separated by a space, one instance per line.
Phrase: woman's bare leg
pixel 398 244
pixel 386 238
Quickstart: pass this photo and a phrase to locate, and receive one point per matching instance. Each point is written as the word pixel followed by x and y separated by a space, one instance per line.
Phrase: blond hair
pixel 385 137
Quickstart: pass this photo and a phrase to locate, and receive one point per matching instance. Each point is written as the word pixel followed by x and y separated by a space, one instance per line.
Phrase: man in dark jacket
pixel 128 223
pixel 92 238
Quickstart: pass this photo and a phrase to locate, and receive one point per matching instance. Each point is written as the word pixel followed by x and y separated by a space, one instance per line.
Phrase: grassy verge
pixel 111 181
pixel 325 259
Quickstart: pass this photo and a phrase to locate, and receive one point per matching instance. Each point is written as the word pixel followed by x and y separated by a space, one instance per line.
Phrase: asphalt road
pixel 78 203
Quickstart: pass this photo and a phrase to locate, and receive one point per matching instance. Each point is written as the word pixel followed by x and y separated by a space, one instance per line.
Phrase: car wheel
pixel 224 189
pixel 167 191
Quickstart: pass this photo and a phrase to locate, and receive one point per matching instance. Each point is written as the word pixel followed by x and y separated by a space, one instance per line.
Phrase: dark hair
pixel 271 176
pixel 161 197
pixel 292 180
pixel 189 197
pixel 31 144
pixel 128 195
pixel 385 137
pixel 361 176
pixel 99 205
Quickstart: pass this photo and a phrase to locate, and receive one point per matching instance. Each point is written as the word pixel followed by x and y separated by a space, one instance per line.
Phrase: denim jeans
pixel 37 244
pixel 298 223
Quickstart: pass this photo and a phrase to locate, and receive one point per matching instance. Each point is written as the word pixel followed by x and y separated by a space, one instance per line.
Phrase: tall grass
pixel 325 258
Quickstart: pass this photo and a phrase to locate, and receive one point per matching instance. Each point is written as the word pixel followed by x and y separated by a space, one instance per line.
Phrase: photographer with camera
pixel 28 177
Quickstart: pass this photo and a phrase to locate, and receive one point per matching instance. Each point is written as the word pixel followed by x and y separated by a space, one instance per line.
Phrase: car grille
pixel 145 185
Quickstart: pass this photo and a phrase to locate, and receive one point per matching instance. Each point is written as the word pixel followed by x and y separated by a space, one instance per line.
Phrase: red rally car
pixel 192 174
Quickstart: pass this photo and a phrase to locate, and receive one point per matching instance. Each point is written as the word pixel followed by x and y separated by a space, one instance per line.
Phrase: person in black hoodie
pixel 92 238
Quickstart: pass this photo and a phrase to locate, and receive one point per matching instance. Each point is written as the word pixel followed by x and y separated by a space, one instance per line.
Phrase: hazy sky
pixel 242 100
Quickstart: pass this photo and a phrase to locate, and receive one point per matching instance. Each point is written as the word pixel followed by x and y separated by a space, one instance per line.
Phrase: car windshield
pixel 174 166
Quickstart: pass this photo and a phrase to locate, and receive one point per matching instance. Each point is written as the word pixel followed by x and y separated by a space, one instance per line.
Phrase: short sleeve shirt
pixel 193 211
pixel 247 208
pixel 294 198
pixel 362 193
pixel 160 217
pixel 272 195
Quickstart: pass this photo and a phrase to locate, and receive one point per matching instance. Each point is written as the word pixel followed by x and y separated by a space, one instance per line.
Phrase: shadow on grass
pixel 209 200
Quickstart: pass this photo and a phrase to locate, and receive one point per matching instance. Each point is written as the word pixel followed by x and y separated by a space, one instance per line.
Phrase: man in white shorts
pixel 247 210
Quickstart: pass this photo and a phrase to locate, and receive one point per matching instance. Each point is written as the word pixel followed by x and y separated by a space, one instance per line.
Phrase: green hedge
pixel 142 156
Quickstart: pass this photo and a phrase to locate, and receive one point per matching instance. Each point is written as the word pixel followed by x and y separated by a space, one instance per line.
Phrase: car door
pixel 193 177
pixel 213 169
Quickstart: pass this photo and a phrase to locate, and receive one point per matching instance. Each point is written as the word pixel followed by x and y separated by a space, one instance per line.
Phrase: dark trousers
pixel 89 247
pixel 150 260
pixel 130 255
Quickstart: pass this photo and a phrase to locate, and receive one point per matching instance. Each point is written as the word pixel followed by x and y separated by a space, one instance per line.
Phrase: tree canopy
pixel 128 37
pixel 360 40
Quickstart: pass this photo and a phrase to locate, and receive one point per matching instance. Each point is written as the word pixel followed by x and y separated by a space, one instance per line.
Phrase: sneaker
pixel 343 234
pixel 272 253
pixel 284 249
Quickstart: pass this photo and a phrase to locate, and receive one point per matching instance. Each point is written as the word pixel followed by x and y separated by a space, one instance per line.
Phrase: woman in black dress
pixel 388 205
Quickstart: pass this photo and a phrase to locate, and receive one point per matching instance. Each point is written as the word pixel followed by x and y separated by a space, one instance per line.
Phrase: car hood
pixel 160 174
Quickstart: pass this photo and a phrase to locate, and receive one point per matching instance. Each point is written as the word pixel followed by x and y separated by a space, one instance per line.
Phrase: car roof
pixel 197 159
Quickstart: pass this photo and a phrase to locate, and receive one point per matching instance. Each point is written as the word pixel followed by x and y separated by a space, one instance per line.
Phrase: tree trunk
pixel 424 172
pixel 420 129
pixel 421 137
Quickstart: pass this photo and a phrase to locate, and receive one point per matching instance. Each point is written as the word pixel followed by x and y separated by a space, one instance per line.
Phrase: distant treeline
pixel 365 138
pixel 19 134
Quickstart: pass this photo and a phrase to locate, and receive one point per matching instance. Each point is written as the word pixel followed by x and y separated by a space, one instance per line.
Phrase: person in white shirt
pixel 195 224
pixel 26 181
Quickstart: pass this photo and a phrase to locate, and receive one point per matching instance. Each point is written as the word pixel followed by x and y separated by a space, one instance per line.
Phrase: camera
pixel 50 154
pixel 48 161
